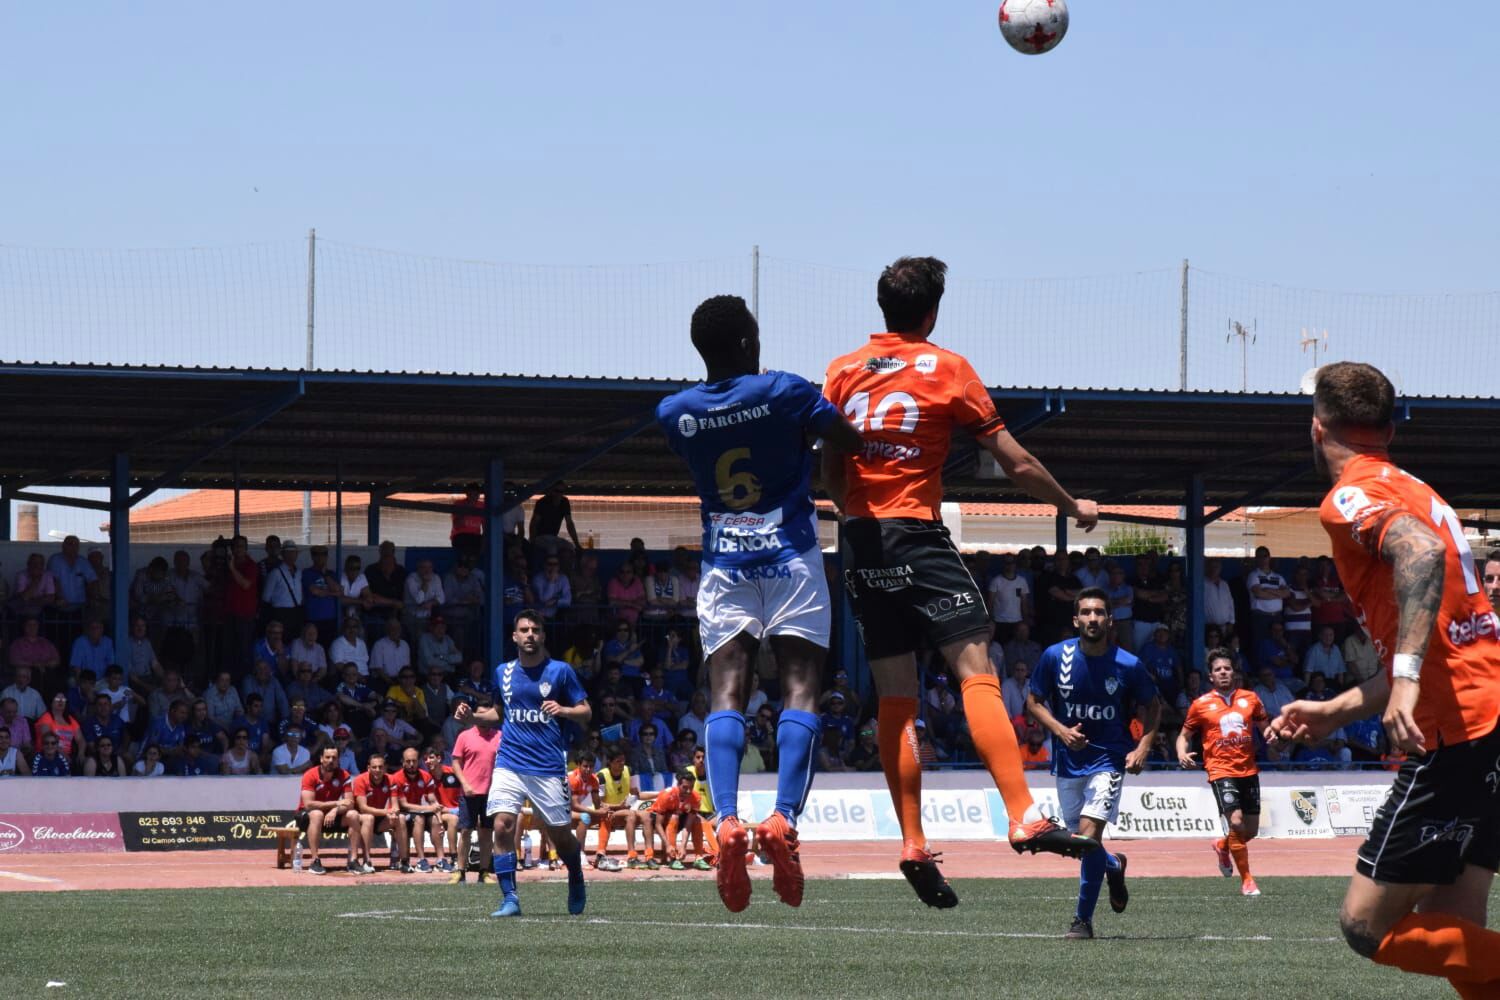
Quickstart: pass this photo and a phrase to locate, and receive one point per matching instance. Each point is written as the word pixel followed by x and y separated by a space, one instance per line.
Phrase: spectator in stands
pixel 660 696
pixel 1324 657
pixel 306 689
pixel 125 699
pixel 223 700
pixel 681 753
pixel 241 601
pixel 151 594
pixel 272 649
pixel 865 754
pixel 104 760
pixel 549 515
pixel 686 568
pixel 59 722
pixel 213 737
pixel 1192 687
pixel 928 752
pixel 408 695
pixel 588 595
pixel 1036 754
pixel 1149 597
pixel 1091 571
pixel 623 650
pixel 290 756
pixel 648 755
pixel 81 692
pixel 1297 612
pixel 626 594
pixel 297 718
pixel 358 702
pixel 1055 592
pixel 1277 652
pixel 16 724
pixel 93 650
pixel 517 594
pixel 1272 692
pixel 391 653
pixel 1218 601
pixel 343 742
pixel 97 598
pixel 143 669
pixel 1175 609
pixel 830 756
pixel 169 732
pixel 662 601
pixel 1330 749
pixel 1366 739
pixel 1022 649
pixel 436 650
pixel 28 699
pixel 349 649
pixel 1010 600
pixel 386 585
pixel 466 530
pixel 1360 658
pixel 476 686
pixel 1122 607
pixel 651 713
pixel 282 591
pixel 1268 594
pixel 189 587
pixel 320 597
pixel 423 597
pixel 353 600
pixel 239 758
pixel 35 590
pixel 194 762
pixel 1164 664
pixel 33 650
pixel 272 557
pixel 1330 604
pixel 463 597
pixel 397 730
pixel 306 652
pixel 696 717
pixel 50 761
pixel 1013 690
pixel 551 588
pixel 1317 688
pixel 150 764
pixel 762 735
pixel 262 683
pixel 102 722
pixel 437 696
pixel 76 580
pixel 172 689
pixel 613 711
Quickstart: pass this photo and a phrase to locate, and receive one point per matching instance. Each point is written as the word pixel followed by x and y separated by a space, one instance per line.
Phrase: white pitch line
pixel 810 928
pixel 23 877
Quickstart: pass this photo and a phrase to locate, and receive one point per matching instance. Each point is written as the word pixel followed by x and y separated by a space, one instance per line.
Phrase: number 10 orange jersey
pixel 905 396
pixel 1460 687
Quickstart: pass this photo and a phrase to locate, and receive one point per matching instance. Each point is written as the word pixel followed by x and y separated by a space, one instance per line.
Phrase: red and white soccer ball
pixel 1033 26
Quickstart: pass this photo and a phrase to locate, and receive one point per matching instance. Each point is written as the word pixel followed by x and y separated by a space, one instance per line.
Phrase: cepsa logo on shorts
pixel 11 837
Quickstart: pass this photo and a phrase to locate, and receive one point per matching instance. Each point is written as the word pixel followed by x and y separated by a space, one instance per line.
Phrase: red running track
pixel 961 859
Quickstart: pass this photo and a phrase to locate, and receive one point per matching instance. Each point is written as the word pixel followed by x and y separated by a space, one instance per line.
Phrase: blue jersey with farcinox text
pixel 1095 692
pixel 745 442
pixel 532 742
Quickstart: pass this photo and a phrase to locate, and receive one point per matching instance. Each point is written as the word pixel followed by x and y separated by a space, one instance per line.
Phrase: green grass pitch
pixel 1182 937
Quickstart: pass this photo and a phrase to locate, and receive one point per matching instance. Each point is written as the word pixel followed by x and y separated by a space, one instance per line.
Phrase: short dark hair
pixel 683 772
pixel 614 750
pixel 530 614
pixel 908 290
pixel 1218 653
pixel 1352 394
pixel 1092 594
pixel 719 324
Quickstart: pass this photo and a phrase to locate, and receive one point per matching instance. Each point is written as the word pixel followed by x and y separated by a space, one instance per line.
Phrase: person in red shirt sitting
pixel 375 812
pixel 676 808
pixel 445 820
pixel 416 798
pixel 325 805
pixel 60 722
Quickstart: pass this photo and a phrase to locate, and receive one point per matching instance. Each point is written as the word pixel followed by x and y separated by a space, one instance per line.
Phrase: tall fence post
pixel 119 553
pixel 1183 333
pixel 755 281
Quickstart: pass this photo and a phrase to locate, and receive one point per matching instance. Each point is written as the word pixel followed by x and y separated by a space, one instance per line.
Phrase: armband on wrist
pixel 1406 666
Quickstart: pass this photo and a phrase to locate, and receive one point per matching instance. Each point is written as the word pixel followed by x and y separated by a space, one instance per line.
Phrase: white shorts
pixel 788 598
pixel 549 796
pixel 1096 796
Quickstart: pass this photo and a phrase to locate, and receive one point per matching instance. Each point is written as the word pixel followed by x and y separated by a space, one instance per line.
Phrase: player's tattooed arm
pixel 1418 564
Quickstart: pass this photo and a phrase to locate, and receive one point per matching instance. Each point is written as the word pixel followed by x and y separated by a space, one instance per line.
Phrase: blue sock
pixel 573 860
pixel 1090 880
pixel 723 749
pixel 505 872
pixel 796 740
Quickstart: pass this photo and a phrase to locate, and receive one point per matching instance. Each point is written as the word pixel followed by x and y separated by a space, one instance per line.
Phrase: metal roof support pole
pixel 4 516
pixel 1062 532
pixel 119 554
pixel 1193 550
pixel 236 492
pixel 372 519
pixel 338 518
pixel 494 561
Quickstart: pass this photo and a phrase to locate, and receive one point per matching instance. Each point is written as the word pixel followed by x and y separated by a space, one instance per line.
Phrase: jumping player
pixel 1226 720
pixel 1082 692
pixel 542 700
pixel 745 436
pixel 1422 878
pixel 909 586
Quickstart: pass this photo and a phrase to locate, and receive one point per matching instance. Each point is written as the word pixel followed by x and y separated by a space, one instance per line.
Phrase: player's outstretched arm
pixel 840 435
pixel 1418 561
pixel 490 714
pixel 1023 469
pixel 1185 756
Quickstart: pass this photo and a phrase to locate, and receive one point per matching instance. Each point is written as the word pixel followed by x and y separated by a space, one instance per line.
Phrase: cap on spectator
pixel 341 733
pixel 841 674
pixel 292 731
pixel 289 546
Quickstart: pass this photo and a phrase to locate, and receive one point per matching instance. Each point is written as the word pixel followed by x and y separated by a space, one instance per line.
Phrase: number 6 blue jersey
pixel 745 442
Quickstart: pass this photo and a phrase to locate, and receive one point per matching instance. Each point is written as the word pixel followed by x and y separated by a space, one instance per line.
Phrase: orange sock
pixel 995 740
pixel 1241 852
pixel 604 837
pixel 708 835
pixel 896 720
pixel 1441 944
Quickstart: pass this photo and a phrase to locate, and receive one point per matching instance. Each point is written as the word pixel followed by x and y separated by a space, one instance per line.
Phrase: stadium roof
pixel 276 429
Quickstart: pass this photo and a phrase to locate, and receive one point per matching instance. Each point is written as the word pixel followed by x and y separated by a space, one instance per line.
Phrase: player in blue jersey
pixel 539 700
pixel 746 436
pixel 1085 692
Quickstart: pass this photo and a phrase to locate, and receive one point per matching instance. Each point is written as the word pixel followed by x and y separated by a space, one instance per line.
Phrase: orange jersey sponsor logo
pixel 1227 727
pixel 1460 687
pixel 905 396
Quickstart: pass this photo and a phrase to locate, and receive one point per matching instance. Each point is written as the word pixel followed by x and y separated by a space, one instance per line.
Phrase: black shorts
pixel 908 585
pixel 472 813
pixel 1242 794
pixel 1442 813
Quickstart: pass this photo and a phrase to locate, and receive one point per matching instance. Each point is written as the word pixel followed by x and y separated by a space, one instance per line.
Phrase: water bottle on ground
pixel 297 856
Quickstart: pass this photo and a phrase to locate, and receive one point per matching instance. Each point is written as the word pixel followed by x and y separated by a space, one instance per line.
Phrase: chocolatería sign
pixel 60 833
pixel 202 831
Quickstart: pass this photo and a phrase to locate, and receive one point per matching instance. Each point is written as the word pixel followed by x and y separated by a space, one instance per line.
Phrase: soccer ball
pixel 1033 26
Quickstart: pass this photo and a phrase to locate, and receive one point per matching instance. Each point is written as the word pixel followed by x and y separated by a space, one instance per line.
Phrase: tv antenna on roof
pixel 1317 341
pixel 1247 337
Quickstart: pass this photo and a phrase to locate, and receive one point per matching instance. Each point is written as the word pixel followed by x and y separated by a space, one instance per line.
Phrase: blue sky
pixel 1337 146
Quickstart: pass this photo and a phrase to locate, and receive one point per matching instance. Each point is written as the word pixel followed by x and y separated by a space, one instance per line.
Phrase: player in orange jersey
pixel 677 807
pixel 1226 719
pixel 1417 899
pixel 908 585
